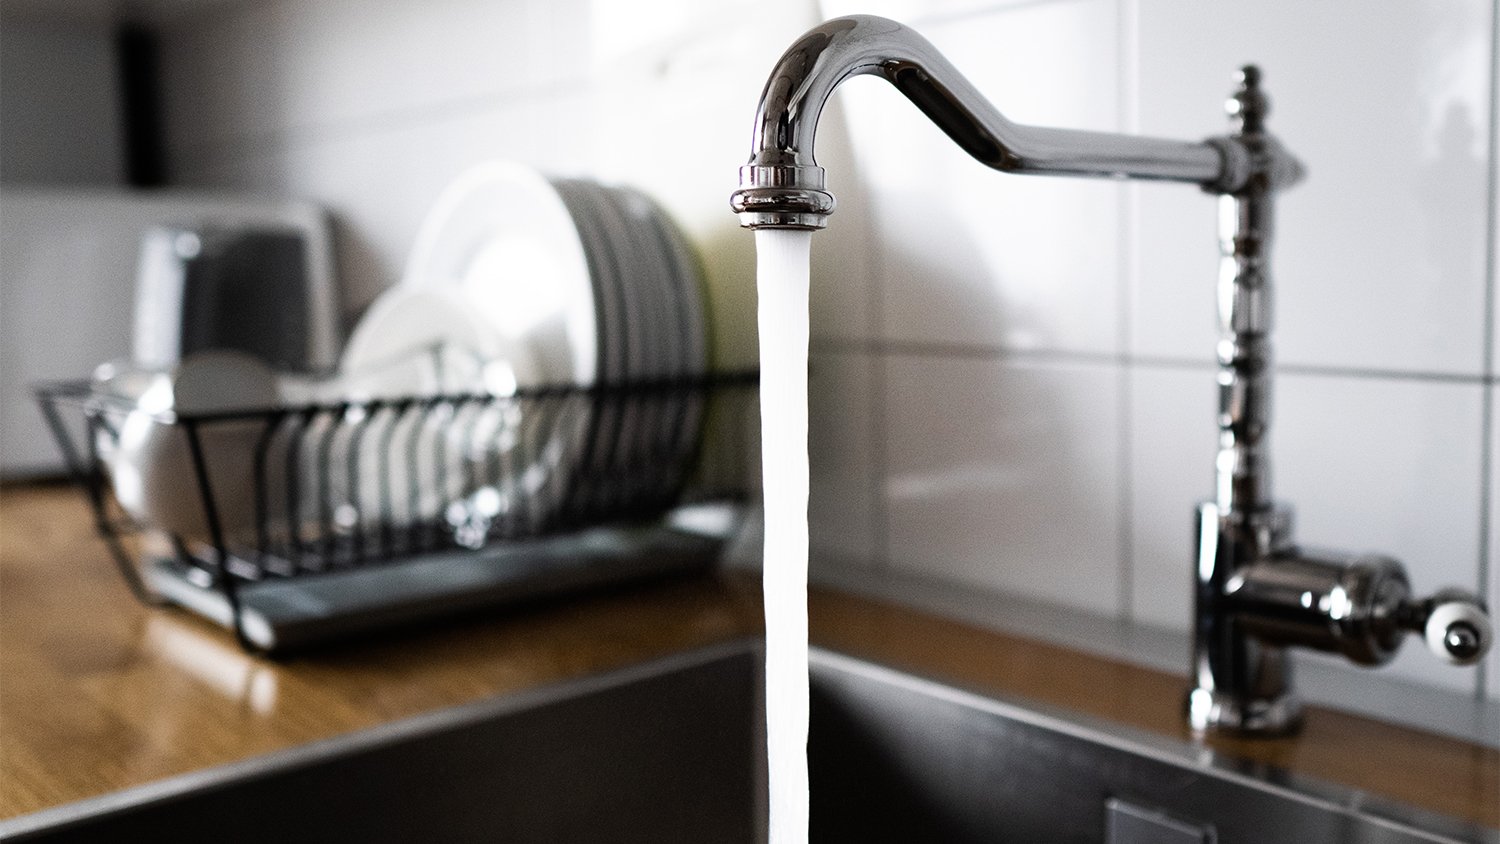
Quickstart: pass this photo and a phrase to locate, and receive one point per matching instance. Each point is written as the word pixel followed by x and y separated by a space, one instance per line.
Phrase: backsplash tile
pixel 843 461
pixel 290 66
pixel 981 259
pixel 1379 256
pixel 1386 466
pixel 1004 475
pixel 1171 446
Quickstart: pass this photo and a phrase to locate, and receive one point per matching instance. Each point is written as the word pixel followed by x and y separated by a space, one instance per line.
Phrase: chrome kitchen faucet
pixel 1256 592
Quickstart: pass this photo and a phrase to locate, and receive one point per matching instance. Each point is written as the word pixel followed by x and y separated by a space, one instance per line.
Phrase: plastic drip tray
pixel 286 613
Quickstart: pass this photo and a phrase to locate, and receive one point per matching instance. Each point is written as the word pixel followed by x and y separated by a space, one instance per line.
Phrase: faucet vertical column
pixel 1241 683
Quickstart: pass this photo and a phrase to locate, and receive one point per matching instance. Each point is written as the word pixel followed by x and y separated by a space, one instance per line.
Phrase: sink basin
pixel 672 751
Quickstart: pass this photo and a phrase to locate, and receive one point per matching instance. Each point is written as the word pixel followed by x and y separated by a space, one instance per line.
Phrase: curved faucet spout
pixel 782 185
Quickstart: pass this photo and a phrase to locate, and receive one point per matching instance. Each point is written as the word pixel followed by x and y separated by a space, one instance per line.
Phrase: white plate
pixel 416 342
pixel 430 342
pixel 502 234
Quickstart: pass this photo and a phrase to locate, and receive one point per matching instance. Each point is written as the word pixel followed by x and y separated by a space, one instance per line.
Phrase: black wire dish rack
pixel 297 525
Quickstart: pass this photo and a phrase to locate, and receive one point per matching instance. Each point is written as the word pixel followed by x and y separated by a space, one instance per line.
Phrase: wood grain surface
pixel 98 693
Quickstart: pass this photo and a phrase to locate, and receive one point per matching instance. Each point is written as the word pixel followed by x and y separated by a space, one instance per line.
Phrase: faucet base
pixel 1212 711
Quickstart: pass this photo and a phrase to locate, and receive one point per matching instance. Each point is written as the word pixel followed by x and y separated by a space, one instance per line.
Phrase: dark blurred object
pixel 225 287
pixel 140 99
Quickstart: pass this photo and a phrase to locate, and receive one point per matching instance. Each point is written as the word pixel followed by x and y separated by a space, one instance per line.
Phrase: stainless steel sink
pixel 672 751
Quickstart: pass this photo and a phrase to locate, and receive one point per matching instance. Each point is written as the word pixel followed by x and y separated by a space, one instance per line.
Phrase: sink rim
pixel 1321 794
pixel 1313 791
pixel 389 732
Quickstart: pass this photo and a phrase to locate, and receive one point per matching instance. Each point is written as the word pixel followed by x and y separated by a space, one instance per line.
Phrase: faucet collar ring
pixel 789 197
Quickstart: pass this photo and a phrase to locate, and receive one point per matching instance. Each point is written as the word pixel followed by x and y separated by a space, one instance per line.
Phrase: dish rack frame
pixel 645 455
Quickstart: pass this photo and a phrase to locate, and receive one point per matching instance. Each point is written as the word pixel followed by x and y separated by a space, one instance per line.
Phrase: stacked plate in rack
pixel 520 281
pixel 652 336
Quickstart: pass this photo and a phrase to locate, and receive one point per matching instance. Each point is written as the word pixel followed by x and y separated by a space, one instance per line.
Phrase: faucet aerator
pixel 782 197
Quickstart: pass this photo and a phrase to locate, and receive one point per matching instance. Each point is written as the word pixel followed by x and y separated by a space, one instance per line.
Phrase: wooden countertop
pixel 98 693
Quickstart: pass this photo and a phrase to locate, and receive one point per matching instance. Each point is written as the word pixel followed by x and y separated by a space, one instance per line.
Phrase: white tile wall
pixel 1380 253
pixel 1024 263
pixel 1171 454
pixel 842 452
pixel 289 69
pixel 1012 387
pixel 1382 465
pixel 999 476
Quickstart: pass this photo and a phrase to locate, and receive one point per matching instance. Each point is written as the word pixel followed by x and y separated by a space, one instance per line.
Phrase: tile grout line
pixel 1383 374
pixel 959 351
pixel 1487 391
pixel 940 350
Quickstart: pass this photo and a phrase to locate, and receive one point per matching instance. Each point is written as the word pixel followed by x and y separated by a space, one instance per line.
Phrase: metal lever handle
pixel 1359 606
pixel 1453 623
